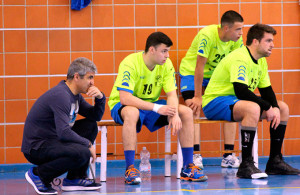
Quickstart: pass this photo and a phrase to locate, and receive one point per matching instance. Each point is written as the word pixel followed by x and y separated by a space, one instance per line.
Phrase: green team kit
pixel 239 67
pixel 136 78
pixel 207 44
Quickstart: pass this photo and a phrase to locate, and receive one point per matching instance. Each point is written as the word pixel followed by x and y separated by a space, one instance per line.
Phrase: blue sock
pixel 187 154
pixel 129 157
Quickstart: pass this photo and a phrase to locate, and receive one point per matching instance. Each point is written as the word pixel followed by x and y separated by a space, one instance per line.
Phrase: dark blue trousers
pixel 55 157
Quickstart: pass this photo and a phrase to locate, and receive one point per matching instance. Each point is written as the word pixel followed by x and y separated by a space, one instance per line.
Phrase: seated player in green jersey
pixel 229 96
pixel 134 101
pixel 208 48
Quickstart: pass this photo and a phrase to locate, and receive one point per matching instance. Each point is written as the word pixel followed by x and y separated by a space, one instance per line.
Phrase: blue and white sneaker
pixel 230 161
pixel 192 173
pixel 79 184
pixel 37 183
pixel 132 176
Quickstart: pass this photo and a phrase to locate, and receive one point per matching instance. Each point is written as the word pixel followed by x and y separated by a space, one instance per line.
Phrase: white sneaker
pixel 197 160
pixel 230 161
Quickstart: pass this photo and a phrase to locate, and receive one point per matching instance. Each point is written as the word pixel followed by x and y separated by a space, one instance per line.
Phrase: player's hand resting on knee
pixel 196 105
pixel 276 118
pixel 270 114
pixel 167 110
pixel 175 123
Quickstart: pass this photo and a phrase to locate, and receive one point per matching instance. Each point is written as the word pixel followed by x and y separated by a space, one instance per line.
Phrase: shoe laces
pixel 232 158
pixel 132 172
pixel 194 169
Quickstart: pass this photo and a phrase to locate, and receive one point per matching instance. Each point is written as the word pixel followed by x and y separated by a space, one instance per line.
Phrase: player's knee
pixel 185 112
pixel 284 109
pixel 130 114
pixel 93 131
pixel 253 111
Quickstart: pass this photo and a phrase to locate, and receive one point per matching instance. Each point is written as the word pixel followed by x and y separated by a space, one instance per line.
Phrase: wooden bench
pixel 102 127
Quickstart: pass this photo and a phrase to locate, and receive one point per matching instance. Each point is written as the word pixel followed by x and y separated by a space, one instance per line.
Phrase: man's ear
pixel 151 49
pixel 226 27
pixel 76 76
pixel 255 42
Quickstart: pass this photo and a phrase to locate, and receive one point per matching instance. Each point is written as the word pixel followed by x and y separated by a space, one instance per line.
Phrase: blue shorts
pixel 187 83
pixel 220 108
pixel 152 120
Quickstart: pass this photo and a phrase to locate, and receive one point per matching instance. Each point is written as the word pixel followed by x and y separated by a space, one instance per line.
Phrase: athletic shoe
pixel 277 166
pixel 132 176
pixel 230 161
pixel 79 184
pixel 197 160
pixel 37 183
pixel 192 173
pixel 248 170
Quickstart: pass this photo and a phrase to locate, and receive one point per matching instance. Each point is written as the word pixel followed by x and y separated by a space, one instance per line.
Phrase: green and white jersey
pixel 207 44
pixel 136 78
pixel 239 67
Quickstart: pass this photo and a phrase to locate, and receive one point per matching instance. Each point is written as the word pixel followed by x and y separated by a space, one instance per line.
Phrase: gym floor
pixel 220 181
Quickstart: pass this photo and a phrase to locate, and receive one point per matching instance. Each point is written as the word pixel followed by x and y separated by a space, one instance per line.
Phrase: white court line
pixel 133 27
pixel 107 74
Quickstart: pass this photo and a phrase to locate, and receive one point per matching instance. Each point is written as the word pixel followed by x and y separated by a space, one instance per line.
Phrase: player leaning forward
pixel 229 96
pixel 134 101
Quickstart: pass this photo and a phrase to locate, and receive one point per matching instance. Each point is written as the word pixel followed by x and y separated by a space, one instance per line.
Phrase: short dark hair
pixel 230 17
pixel 157 38
pixel 257 32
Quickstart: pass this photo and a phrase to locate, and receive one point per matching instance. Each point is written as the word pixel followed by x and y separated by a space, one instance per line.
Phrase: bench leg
pixel 92 169
pixel 103 169
pixel 93 166
pixel 179 159
pixel 167 149
pixel 254 148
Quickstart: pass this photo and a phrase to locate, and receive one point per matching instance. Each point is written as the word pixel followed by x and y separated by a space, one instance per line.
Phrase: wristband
pixel 156 107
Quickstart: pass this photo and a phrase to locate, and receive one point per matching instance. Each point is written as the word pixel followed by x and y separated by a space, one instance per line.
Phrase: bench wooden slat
pixel 200 121
pixel 108 123
pixel 196 121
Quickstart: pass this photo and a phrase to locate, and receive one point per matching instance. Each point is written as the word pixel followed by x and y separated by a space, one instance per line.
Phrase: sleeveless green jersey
pixel 239 67
pixel 136 78
pixel 207 44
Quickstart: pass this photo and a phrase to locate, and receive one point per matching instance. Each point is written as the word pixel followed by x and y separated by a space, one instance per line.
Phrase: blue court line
pixel 203 190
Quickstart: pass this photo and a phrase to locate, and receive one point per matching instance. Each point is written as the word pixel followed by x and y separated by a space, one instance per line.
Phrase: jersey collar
pixel 254 60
